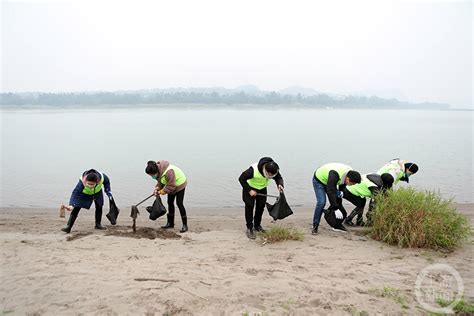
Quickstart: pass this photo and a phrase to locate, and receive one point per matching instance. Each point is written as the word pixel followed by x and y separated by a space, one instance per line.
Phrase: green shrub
pixel 419 219
pixel 461 308
pixel 279 233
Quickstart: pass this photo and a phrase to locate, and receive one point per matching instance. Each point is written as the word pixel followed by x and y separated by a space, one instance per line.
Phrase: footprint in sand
pixel 229 258
pixel 251 271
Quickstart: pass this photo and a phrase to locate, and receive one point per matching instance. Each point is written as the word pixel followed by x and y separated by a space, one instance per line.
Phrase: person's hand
pixel 67 207
pixel 109 194
pixel 338 214
pixel 340 194
pixel 162 192
pixel 280 188
pixel 253 193
pixel 156 192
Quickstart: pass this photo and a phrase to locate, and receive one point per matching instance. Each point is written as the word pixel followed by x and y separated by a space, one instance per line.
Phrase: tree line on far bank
pixel 208 98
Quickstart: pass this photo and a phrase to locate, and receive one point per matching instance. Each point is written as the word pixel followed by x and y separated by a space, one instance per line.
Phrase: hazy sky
pixel 417 51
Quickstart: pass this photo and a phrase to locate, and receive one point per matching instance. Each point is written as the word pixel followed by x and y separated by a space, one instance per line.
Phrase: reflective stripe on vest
pixel 362 189
pixel 322 173
pixel 96 189
pixel 258 181
pixel 178 174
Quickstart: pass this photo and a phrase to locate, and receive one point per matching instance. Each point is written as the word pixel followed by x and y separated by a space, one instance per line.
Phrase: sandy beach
pixel 213 269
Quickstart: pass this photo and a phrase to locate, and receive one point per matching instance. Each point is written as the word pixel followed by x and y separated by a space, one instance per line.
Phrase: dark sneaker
pixel 360 223
pixel 259 229
pixel 168 225
pixel 339 228
pixel 349 223
pixel 315 230
pixel 251 233
pixel 67 230
pixel 98 226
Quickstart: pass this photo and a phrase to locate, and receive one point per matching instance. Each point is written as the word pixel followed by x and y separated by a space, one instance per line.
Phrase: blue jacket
pixel 79 199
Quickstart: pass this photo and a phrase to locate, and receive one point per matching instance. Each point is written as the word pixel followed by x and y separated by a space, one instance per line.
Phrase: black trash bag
pixel 331 219
pixel 280 209
pixel 156 210
pixel 113 213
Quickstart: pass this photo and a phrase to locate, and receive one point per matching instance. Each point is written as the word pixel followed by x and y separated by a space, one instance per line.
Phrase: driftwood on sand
pixel 152 279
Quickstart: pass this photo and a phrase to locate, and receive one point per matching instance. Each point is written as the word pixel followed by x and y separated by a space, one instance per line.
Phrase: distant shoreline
pixel 250 96
pixel 197 106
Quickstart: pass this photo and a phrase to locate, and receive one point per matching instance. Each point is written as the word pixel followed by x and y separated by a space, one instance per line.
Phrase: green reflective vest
pixel 322 173
pixel 178 173
pixel 258 181
pixel 362 189
pixel 393 168
pixel 96 189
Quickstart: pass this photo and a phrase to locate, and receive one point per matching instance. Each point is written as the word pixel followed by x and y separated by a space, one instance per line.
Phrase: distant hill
pixel 295 90
pixel 215 96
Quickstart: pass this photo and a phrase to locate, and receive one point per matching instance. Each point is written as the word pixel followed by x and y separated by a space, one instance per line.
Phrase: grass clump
pixel 393 294
pixel 461 308
pixel 279 233
pixel 418 219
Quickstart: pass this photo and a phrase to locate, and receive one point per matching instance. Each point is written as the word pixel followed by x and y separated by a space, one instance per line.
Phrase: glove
pixel 109 194
pixel 339 194
pixel 162 192
pixel 338 214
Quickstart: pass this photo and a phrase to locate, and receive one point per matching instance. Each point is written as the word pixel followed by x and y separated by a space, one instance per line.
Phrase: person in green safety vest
pixel 87 191
pixel 369 187
pixel 400 170
pixel 170 180
pixel 254 183
pixel 326 180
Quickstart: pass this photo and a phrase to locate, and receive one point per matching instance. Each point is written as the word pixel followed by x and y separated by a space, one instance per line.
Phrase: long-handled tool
pixel 268 195
pixel 134 213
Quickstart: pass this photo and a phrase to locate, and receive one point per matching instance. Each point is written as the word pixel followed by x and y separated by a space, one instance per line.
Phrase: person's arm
pixel 170 186
pixel 401 164
pixel 331 189
pixel 73 200
pixel 246 175
pixel 279 180
pixel 107 188
pixel 374 191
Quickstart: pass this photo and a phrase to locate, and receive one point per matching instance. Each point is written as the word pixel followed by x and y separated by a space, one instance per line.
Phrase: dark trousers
pixel 179 197
pixel 250 202
pixel 98 213
pixel 358 202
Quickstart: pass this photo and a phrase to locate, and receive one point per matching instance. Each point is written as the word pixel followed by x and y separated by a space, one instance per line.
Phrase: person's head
pixel 91 179
pixel 410 168
pixel 352 177
pixel 152 169
pixel 387 180
pixel 270 170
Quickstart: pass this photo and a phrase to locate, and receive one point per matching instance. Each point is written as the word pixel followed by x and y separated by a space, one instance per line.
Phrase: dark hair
pixel 151 167
pixel 354 176
pixel 387 180
pixel 272 167
pixel 410 166
pixel 92 177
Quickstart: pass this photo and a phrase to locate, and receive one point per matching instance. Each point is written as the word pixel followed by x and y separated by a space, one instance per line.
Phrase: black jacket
pixel 331 188
pixel 248 174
